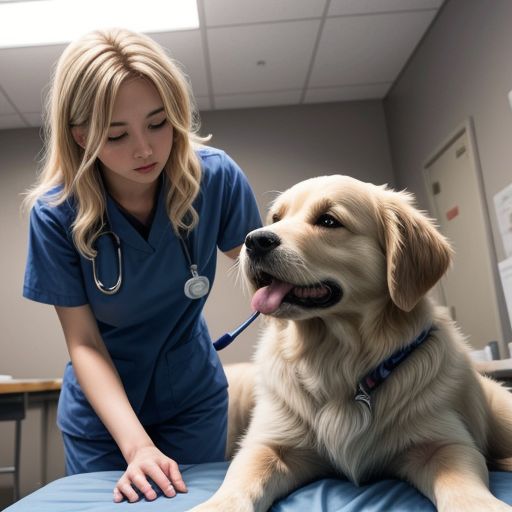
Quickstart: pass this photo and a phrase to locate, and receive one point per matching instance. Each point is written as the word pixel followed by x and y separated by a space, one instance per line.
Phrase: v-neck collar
pixel 129 234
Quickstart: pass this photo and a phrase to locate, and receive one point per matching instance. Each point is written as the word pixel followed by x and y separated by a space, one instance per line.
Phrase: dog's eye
pixel 275 218
pixel 328 221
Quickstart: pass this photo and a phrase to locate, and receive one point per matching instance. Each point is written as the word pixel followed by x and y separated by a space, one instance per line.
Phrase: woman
pixel 126 219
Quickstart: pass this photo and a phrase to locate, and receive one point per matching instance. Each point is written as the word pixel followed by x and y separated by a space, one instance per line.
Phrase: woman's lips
pixel 146 168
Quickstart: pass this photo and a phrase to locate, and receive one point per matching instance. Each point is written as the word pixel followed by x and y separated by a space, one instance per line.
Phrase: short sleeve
pixel 240 213
pixel 53 272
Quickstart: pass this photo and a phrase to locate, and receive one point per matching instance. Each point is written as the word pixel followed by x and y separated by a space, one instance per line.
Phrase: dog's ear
pixel 417 254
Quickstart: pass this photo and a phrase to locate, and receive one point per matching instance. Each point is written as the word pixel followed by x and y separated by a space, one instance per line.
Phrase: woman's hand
pixel 149 462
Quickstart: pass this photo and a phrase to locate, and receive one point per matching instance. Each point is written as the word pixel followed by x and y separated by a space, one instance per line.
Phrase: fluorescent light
pixel 45 22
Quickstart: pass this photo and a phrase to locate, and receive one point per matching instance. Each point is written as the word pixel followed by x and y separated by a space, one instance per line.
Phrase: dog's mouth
pixel 271 293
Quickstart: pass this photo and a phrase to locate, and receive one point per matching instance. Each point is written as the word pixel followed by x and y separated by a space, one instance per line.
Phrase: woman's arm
pixel 104 390
pixel 233 253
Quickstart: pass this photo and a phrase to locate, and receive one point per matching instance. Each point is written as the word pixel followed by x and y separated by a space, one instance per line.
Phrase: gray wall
pixel 276 148
pixel 462 69
pixel 30 345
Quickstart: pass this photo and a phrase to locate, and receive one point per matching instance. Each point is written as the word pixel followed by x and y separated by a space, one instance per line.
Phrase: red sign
pixel 452 213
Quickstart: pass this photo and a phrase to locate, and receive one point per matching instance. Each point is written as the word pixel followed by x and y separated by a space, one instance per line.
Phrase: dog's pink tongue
pixel 267 299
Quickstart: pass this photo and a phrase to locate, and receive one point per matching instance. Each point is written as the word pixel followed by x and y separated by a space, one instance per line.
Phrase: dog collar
pixel 377 376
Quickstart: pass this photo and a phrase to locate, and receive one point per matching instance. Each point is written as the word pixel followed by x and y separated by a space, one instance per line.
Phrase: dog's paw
pixel 227 504
pixel 477 504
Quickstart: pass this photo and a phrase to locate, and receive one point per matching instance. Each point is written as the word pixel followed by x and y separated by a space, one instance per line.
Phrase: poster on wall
pixel 505 267
pixel 503 205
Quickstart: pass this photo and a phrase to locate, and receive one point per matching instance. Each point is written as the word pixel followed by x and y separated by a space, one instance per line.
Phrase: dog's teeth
pixel 299 292
pixel 310 292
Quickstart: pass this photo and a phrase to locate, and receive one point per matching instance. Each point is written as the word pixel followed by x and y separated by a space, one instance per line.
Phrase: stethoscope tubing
pixel 229 337
pixel 110 290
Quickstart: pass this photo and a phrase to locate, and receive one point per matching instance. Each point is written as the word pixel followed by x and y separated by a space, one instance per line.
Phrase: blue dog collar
pixel 377 376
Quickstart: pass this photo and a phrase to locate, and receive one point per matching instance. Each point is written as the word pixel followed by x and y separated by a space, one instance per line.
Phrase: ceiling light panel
pixel 45 22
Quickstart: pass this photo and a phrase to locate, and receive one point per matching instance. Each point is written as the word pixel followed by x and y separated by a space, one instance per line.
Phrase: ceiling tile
pixel 284 48
pixel 268 99
pixel 367 49
pixel 232 12
pixel 26 73
pixel 347 93
pixel 348 7
pixel 5 106
pixel 186 47
pixel 362 49
pixel 11 121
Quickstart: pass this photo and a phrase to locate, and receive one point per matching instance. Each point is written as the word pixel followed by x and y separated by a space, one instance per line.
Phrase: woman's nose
pixel 143 148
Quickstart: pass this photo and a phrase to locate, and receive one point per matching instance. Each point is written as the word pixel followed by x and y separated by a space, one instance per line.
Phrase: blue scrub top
pixel 156 336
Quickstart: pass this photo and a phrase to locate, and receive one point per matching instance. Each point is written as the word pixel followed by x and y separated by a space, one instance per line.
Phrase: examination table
pixel 93 492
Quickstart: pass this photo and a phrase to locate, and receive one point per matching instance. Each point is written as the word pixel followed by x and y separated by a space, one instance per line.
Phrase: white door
pixel 468 287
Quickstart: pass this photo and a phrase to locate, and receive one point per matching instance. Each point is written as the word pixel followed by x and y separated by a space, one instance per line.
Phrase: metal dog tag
pixel 363 396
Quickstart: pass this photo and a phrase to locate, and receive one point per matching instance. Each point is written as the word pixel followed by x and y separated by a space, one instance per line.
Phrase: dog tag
pixel 363 396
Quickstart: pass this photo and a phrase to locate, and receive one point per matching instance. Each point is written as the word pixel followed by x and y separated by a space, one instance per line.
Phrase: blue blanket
pixel 92 492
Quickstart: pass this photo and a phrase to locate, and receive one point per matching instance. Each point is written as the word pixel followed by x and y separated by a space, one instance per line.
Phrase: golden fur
pixel 436 422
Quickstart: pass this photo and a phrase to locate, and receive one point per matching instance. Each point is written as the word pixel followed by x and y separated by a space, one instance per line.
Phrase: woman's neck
pixel 135 198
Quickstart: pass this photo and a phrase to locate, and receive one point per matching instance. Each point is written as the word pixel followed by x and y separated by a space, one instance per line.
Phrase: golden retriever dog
pixel 358 372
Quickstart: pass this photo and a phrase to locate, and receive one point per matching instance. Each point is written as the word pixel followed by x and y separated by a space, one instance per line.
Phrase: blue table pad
pixel 92 492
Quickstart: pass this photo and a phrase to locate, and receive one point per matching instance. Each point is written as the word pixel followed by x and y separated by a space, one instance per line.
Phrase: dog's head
pixel 334 244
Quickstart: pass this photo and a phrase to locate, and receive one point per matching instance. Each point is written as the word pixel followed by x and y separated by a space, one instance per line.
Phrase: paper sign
pixel 505 267
pixel 503 205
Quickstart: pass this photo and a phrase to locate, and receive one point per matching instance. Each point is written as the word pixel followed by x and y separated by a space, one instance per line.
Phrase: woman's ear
pixel 79 135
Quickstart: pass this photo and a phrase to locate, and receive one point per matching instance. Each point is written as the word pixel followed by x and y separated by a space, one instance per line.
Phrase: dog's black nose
pixel 261 242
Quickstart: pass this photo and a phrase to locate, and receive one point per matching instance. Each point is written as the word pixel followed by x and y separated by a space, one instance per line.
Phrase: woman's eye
pixel 151 127
pixel 158 125
pixel 328 221
pixel 118 137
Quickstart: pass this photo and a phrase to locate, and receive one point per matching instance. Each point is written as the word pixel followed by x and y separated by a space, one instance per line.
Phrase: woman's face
pixel 140 137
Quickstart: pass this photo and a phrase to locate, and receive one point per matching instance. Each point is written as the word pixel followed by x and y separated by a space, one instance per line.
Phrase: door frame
pixel 468 127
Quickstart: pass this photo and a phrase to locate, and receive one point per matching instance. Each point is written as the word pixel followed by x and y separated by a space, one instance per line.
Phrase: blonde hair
pixel 87 78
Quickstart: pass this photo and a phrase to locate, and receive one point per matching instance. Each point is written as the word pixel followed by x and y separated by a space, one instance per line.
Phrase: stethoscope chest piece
pixel 197 286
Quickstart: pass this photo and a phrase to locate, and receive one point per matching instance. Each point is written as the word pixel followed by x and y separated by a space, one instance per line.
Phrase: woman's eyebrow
pixel 152 113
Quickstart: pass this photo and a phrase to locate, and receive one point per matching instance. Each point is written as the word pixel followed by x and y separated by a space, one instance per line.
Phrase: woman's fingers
pixel 156 473
pixel 140 481
pixel 118 496
pixel 163 471
pixel 124 488
pixel 175 476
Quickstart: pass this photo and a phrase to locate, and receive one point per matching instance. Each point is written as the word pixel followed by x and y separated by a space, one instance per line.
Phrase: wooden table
pixel 15 396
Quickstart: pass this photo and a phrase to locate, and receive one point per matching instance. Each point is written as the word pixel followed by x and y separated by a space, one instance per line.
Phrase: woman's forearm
pixel 103 388
pixel 99 379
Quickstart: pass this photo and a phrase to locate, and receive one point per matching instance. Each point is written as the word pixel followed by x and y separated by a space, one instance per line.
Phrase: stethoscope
pixel 109 290
pixel 196 287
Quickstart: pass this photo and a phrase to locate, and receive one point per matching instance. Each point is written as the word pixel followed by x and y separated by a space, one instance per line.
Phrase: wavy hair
pixel 85 83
